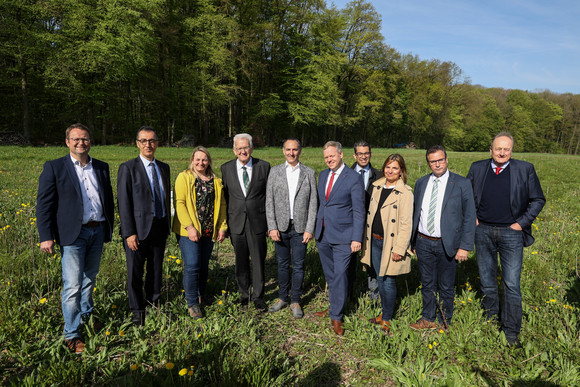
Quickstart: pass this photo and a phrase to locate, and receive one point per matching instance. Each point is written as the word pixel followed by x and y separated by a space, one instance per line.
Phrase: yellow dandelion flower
pixel 463 302
pixel 43 300
pixel 550 288
pixel 430 346
pixel 552 300
pixel 435 343
pixel 183 372
pixel 219 302
pixel 190 372
pixel 107 333
pixel 441 331
pixel 169 366
pixel 534 252
pixel 114 306
pixel 121 333
pixel 469 299
pixel 178 261
pixel 199 335
pixel 134 367
pixel 223 292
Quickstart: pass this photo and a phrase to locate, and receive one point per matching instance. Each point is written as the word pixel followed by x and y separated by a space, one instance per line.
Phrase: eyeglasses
pixel 82 139
pixel 144 141
pixel 433 162
pixel 363 154
pixel 244 149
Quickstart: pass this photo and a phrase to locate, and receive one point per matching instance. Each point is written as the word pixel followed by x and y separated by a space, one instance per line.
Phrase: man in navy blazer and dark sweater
pixel 339 227
pixel 75 209
pixel 143 192
pixel 443 232
pixel 508 198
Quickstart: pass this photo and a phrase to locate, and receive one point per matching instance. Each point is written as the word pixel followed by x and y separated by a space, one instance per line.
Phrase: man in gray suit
pixel 291 205
pixel 443 234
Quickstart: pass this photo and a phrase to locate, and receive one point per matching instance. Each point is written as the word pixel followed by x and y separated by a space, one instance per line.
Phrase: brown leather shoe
pixel 338 327
pixel 377 320
pixel 423 324
pixel 75 345
pixel 386 326
pixel 321 313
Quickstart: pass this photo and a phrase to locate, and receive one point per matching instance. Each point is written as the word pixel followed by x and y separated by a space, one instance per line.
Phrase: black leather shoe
pixel 243 301
pixel 513 342
pixel 260 305
pixel 138 319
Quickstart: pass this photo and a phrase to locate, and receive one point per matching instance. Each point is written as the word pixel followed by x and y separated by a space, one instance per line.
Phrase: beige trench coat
pixel 397 217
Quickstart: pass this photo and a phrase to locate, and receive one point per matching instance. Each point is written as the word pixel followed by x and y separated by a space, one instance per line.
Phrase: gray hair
pixel 335 144
pixel 503 134
pixel 243 136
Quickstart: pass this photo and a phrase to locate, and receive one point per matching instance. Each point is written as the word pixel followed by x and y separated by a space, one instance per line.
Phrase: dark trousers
pixel 245 245
pixel 437 271
pixel 151 251
pixel 290 249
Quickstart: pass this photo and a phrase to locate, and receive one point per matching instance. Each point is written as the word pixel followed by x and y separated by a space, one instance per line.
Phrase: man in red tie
pixel 339 227
pixel 508 197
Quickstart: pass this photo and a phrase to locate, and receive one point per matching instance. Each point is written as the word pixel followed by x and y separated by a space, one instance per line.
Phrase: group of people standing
pixel 346 211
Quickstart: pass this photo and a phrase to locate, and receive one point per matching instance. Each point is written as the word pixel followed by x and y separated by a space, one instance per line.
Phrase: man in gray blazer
pixel 291 205
pixel 443 234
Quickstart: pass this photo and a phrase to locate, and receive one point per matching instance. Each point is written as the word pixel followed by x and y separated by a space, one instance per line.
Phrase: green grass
pixel 234 347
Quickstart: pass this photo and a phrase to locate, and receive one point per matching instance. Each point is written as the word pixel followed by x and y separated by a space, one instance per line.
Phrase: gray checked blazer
pixel 278 204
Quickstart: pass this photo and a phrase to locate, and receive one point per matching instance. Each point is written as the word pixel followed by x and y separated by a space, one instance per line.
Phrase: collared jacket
pixel 186 211
pixel 397 218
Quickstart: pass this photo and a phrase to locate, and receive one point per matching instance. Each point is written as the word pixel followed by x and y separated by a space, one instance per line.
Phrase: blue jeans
pixel 509 243
pixel 80 265
pixel 290 244
pixel 196 257
pixel 437 270
pixel 387 284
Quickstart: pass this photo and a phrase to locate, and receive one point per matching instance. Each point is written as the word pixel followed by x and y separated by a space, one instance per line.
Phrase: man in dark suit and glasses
pixel 443 232
pixel 75 209
pixel 508 198
pixel 362 155
pixel 143 191
pixel 245 180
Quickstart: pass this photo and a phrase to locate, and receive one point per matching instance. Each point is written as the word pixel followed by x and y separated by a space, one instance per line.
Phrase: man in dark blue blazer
pixel 443 232
pixel 339 227
pixel 75 209
pixel 143 192
pixel 508 198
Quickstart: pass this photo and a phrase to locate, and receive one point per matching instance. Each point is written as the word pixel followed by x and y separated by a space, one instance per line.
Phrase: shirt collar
pixel 339 170
pixel 358 168
pixel 288 166
pixel 442 178
pixel 76 162
pixel 494 166
pixel 248 165
pixel 146 162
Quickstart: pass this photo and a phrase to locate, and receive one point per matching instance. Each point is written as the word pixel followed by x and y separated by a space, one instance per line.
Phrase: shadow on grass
pixel 328 374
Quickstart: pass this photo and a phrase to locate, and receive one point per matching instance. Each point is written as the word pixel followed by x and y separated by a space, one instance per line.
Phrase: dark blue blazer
pixel 135 198
pixel 344 212
pixel 59 204
pixel 526 196
pixel 457 215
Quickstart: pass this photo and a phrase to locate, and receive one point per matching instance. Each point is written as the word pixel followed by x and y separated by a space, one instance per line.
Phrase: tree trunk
pixel 25 107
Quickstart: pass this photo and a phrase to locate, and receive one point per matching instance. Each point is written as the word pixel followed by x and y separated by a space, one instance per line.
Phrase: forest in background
pixel 208 69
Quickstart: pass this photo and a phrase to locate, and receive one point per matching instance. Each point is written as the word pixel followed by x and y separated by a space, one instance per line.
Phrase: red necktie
pixel 329 188
pixel 497 170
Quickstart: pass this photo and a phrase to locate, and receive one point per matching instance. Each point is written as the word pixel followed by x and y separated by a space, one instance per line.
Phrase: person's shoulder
pixel 458 178
pixel 480 163
pixel 521 164
pixel 307 168
pixel 99 163
pixel 228 164
pixel 165 165
pixel 279 167
pixel 130 163
pixel 259 163
pixel 422 179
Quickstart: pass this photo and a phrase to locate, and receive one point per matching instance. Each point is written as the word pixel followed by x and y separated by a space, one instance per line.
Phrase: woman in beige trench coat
pixel 388 233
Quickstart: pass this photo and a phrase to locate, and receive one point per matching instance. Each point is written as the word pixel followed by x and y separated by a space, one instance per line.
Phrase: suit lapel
pixel 70 168
pixel 140 169
pixel 448 189
pixel 336 185
pixel 301 178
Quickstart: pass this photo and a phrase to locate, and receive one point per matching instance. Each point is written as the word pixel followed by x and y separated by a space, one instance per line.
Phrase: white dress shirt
pixel 292 176
pixel 92 206
pixel 425 205
pixel 336 175
pixel 150 177
pixel 494 167
pixel 366 175
pixel 241 174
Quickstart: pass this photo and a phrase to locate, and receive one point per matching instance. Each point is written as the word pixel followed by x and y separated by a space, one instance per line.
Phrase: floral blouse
pixel 205 195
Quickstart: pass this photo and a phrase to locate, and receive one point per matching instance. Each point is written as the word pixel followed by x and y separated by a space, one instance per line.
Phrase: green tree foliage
pixel 213 68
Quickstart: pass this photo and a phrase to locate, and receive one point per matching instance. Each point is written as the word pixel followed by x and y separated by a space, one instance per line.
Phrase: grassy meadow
pixel 230 346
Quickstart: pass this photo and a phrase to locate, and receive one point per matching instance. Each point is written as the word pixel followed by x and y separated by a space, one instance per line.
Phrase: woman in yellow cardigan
pixel 388 233
pixel 200 220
